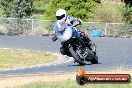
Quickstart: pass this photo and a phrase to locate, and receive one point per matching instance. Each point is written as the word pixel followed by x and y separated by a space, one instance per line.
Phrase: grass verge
pixel 73 84
pixel 13 58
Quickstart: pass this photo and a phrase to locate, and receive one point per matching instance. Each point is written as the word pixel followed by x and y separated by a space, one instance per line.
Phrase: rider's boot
pixel 93 49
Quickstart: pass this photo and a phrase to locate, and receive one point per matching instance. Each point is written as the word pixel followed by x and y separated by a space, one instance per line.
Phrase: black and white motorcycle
pixel 77 49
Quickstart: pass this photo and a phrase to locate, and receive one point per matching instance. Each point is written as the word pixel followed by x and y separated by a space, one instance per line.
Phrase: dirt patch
pixel 14 81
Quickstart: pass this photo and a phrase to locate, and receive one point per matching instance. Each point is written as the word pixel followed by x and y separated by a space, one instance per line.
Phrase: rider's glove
pixel 80 21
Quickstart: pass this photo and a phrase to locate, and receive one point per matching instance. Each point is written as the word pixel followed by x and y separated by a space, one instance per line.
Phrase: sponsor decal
pixel 83 78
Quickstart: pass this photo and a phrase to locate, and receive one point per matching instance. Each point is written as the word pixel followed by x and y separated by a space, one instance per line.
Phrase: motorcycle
pixel 77 49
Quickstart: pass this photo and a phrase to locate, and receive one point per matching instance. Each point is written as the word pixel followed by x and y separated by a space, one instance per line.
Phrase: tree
pixel 82 9
pixel 17 8
pixel 7 6
pixel 23 8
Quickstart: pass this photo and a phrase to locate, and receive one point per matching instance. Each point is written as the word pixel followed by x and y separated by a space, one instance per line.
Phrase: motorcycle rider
pixel 64 21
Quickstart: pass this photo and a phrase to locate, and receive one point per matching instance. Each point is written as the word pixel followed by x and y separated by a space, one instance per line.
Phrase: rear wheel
pixel 94 60
pixel 75 56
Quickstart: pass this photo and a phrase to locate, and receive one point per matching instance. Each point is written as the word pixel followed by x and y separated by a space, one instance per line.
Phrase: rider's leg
pixel 91 45
pixel 80 35
pixel 76 34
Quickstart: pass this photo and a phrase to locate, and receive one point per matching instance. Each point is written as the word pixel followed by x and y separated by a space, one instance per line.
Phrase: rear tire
pixel 94 60
pixel 75 56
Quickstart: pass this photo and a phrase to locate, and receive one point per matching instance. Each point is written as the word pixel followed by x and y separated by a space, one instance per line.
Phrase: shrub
pixel 128 15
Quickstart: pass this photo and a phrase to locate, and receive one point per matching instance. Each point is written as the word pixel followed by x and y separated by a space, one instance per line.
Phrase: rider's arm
pixel 71 20
pixel 56 28
pixel 77 22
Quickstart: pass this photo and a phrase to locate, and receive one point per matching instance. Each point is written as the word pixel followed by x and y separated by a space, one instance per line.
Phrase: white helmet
pixel 61 15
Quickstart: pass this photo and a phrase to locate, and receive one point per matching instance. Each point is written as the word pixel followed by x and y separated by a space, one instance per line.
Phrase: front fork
pixel 79 52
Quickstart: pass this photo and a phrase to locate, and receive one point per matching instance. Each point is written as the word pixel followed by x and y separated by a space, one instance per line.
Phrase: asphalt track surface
pixel 112 53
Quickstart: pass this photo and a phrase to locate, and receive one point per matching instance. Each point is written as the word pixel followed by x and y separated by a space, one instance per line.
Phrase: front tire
pixel 94 60
pixel 75 56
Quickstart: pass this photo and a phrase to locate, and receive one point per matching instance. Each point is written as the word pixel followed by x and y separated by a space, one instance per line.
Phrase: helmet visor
pixel 60 17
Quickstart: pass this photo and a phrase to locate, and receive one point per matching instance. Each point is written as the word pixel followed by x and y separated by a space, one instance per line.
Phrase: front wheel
pixel 75 56
pixel 94 60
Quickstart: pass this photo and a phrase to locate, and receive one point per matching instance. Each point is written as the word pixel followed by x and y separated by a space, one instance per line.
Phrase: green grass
pixel 73 84
pixel 12 58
